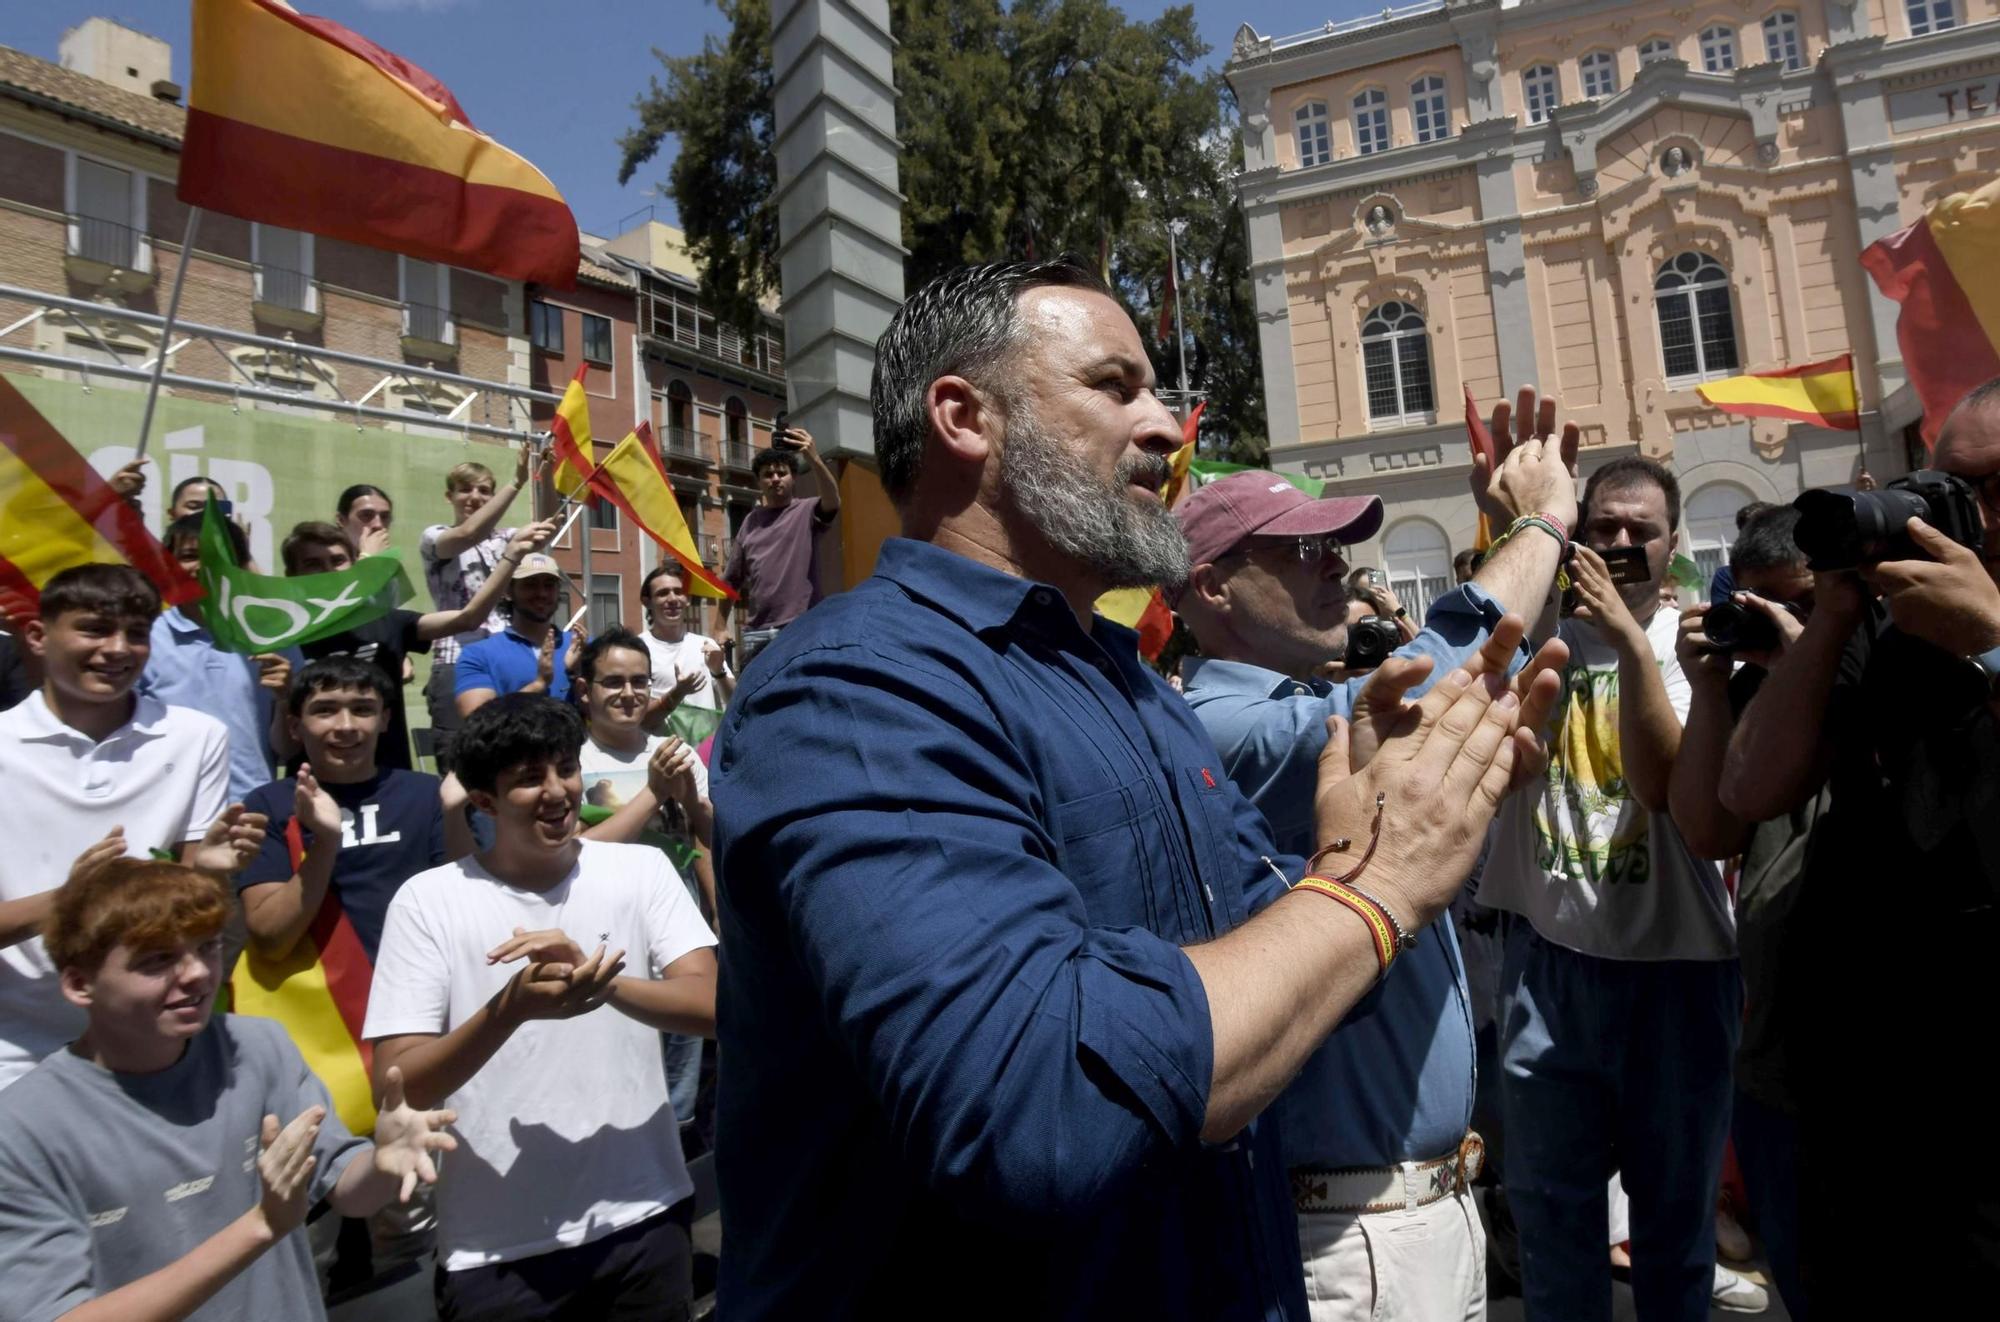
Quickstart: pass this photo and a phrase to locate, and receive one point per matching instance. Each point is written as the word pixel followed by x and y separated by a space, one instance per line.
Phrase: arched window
pixel 1315 138
pixel 1711 524
pixel 1718 49
pixel 1600 73
pixel 1417 558
pixel 1541 92
pixel 1781 40
pixel 1396 362
pixel 1371 121
pixel 1655 48
pixel 1429 114
pixel 1697 321
pixel 680 407
pixel 1930 15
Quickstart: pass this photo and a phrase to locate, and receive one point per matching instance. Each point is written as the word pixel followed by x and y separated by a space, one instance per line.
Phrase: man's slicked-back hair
pixel 514 730
pixel 963 323
pixel 1632 471
pixel 119 591
pixel 1765 541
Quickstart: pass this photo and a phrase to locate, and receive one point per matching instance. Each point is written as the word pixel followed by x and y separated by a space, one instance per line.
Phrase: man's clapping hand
pixel 405 1138
pixel 1442 764
pixel 1535 469
pixel 557 982
pixel 230 842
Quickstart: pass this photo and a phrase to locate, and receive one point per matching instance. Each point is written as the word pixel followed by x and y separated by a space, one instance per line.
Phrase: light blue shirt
pixel 1394 1082
pixel 187 669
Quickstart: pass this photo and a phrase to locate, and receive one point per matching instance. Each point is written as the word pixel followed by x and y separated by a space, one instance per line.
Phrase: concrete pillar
pixel 840 212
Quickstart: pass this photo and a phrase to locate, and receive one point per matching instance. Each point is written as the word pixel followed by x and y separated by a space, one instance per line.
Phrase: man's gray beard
pixel 1125 543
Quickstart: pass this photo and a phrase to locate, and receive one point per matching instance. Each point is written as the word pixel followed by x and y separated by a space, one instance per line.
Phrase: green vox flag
pixel 260 612
pixel 694 724
pixel 1209 470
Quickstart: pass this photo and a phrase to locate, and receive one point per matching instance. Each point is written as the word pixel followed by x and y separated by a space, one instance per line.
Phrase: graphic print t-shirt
pixel 392 828
pixel 1582 859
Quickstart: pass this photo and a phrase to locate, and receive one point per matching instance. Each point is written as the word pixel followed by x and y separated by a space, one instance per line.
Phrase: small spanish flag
pixel 56 512
pixel 1822 394
pixel 293 120
pixel 633 478
pixel 569 437
pixel 1945 272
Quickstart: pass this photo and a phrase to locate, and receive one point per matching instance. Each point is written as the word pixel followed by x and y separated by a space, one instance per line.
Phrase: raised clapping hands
pixel 1535 471
pixel 405 1138
pixel 557 982
pixel 314 807
pixel 231 841
pixel 670 772
pixel 284 1169
pixel 1442 764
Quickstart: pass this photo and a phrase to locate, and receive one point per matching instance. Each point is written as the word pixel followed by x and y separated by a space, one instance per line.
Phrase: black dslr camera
pixel 1369 642
pixel 1730 627
pixel 1841 531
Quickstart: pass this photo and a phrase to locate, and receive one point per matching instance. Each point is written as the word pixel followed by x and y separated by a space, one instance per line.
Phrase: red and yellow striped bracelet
pixel 1380 925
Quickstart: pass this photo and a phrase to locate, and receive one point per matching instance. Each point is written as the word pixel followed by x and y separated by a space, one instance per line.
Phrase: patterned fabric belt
pixel 1388 1188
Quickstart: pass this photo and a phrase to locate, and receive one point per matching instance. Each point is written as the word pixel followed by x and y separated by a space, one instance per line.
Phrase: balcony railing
pixel 736 455
pixel 282 288
pixel 112 242
pixel 421 321
pixel 681 443
pixel 687 324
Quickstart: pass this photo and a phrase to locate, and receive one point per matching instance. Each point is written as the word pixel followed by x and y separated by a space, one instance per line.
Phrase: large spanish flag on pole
pixel 569 438
pixel 55 512
pixel 1945 272
pixel 293 120
pixel 632 478
pixel 1822 394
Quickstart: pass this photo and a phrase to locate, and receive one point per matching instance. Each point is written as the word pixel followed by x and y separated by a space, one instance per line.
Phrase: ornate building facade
pixel 1612 201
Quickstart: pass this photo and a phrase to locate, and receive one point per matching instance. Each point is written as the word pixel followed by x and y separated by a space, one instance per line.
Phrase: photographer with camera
pixel 1726 650
pixel 775 561
pixel 1371 588
pixel 1619 995
pixel 1392 1089
pixel 1893 713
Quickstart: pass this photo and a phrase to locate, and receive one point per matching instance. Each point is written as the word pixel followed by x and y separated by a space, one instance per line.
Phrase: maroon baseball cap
pixel 1262 504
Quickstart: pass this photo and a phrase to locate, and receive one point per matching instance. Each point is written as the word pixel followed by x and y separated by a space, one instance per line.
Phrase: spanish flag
pixel 1146 609
pixel 295 121
pixel 1480 439
pixel 1945 272
pixel 633 478
pixel 569 437
pixel 1822 394
pixel 319 992
pixel 56 512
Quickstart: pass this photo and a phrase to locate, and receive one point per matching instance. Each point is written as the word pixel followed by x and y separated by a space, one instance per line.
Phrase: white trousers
pixel 1423 1264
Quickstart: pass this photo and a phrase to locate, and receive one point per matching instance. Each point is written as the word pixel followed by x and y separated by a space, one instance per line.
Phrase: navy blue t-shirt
pixel 392 828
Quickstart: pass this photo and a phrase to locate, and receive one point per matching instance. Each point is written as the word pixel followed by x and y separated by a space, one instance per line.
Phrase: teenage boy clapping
pixel 500 989
pixel 160 1167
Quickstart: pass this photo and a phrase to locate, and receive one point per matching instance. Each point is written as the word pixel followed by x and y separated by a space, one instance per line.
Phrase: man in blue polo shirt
pixel 1388 1096
pixel 995 915
pixel 531 654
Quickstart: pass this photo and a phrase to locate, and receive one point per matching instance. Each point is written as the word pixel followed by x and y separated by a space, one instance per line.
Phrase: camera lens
pixel 1839 531
pixel 1734 628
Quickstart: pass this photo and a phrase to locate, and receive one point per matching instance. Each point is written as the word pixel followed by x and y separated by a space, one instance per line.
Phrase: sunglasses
pixel 1306 550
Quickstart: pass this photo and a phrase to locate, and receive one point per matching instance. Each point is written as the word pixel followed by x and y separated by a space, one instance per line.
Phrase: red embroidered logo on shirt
pixel 1207 779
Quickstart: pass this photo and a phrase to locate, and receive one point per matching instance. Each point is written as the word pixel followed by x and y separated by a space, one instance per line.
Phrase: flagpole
pixel 167 330
pixel 1180 336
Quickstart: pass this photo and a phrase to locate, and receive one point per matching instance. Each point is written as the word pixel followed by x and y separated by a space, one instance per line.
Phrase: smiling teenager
pixel 92 767
pixel 501 989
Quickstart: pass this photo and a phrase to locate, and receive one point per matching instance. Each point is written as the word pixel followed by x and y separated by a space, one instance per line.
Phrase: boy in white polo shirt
pixel 90 766
pixel 500 991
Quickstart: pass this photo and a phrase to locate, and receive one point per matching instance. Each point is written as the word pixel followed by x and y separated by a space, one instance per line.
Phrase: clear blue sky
pixel 555 80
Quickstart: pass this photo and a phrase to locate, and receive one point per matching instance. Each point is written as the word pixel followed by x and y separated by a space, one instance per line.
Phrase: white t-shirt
pixel 565 1134
pixel 611 778
pixel 163 776
pixel 1583 861
pixel 672 660
pixel 455 580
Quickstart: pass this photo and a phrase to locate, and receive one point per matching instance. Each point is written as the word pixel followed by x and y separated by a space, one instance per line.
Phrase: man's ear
pixel 76 987
pixel 36 635
pixel 1210 587
pixel 965 420
pixel 482 800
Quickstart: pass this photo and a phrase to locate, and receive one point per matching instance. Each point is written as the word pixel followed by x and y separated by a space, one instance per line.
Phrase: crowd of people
pixel 1270 992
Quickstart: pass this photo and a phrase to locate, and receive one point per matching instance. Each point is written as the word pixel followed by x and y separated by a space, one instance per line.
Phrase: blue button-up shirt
pixel 1395 1081
pixel 964 841
pixel 187 669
